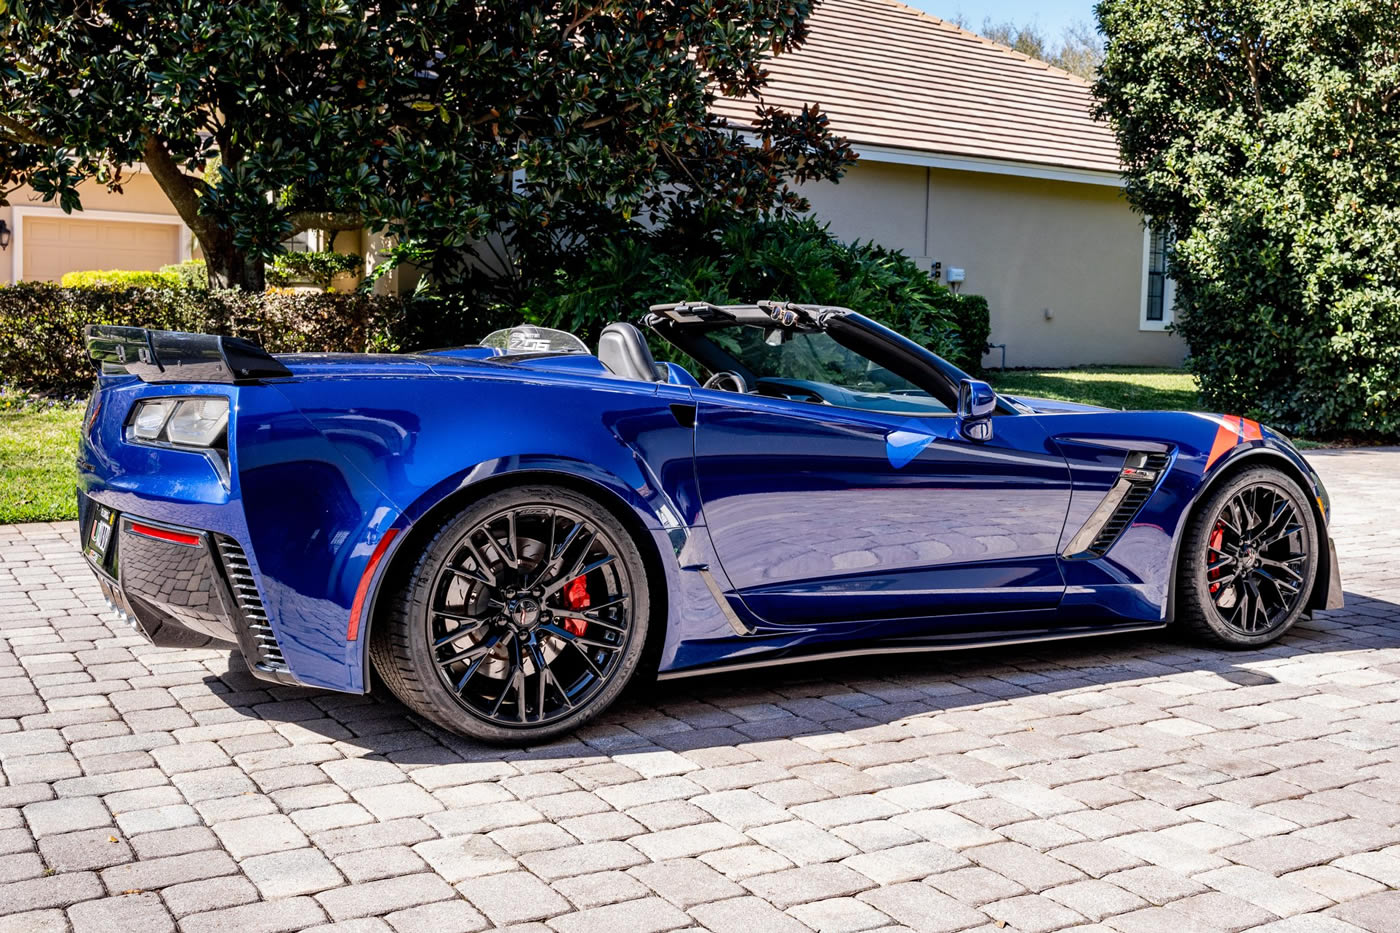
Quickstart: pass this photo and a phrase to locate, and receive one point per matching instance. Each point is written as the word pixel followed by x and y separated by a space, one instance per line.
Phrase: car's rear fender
pixel 433 444
pixel 662 540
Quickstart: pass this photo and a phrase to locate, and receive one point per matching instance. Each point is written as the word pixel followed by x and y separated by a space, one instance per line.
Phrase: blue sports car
pixel 508 534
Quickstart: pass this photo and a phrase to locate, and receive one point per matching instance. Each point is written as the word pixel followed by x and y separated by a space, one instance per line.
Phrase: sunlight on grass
pixel 38 443
pixel 1131 387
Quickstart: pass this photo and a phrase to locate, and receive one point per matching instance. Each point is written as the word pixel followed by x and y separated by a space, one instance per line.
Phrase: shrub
pixel 785 260
pixel 192 273
pixel 316 267
pixel 1266 135
pixel 41 324
pixel 121 278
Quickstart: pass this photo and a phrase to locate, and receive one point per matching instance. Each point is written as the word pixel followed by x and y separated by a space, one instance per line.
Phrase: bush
pixel 121 278
pixel 1266 135
pixel 315 267
pixel 192 273
pixel 41 324
pixel 795 260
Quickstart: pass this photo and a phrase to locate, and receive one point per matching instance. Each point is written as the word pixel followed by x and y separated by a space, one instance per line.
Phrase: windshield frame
pixel 686 325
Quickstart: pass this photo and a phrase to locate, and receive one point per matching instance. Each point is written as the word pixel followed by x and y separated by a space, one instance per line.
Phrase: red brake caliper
pixel 1217 537
pixel 576 598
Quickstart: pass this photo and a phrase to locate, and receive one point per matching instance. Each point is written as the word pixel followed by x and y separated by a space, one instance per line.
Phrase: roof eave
pixel 894 155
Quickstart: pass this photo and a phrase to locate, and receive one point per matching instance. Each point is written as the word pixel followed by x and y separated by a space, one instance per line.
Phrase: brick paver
pixel 1136 783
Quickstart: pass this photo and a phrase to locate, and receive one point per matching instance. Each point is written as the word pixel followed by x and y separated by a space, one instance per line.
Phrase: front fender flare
pixel 1271 453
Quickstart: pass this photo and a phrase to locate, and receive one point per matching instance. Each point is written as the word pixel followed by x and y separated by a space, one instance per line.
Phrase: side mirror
pixel 977 402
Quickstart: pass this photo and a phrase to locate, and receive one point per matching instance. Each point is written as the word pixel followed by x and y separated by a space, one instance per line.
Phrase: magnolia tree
pixel 446 123
pixel 1265 134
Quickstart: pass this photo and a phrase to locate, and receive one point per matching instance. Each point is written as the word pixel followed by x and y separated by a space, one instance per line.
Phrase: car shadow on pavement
pixel 850 695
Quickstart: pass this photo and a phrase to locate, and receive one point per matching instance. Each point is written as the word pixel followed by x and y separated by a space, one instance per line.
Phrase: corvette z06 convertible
pixel 509 533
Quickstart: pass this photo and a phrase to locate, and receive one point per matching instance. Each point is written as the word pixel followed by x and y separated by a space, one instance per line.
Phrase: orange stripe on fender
pixel 1249 430
pixel 1226 437
pixel 352 631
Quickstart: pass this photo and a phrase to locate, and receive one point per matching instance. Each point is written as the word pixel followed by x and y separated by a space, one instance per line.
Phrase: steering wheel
pixel 735 382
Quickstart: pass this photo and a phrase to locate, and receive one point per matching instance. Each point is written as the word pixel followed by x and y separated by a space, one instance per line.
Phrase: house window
pixel 1158 290
pixel 307 241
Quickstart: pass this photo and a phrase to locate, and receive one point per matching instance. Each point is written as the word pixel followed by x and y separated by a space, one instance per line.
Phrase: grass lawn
pixel 38 442
pixel 1130 387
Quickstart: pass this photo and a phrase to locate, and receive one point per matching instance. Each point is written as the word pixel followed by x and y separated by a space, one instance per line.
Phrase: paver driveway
pixel 1138 783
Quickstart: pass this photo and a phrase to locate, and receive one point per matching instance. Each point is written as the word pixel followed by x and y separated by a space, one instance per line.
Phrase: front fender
pixel 1241 443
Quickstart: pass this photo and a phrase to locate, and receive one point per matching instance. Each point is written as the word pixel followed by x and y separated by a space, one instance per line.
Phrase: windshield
pixel 811 366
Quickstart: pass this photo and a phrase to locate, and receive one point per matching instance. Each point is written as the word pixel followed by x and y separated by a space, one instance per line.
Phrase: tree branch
pixel 302 221
pixel 178 187
pixel 23 133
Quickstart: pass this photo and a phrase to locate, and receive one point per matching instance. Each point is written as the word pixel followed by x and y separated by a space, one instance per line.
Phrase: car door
pixel 823 514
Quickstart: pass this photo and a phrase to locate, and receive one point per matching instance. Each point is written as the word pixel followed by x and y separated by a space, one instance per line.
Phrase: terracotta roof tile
pixel 890 75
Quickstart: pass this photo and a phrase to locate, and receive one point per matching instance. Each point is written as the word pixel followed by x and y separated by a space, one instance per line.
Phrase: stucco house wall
pixel 141 207
pixel 1028 245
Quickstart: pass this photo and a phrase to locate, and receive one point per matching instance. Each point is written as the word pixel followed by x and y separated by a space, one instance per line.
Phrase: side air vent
pixel 1125 498
pixel 268 654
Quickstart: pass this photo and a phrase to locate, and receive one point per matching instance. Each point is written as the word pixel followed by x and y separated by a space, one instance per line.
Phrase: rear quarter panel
pixel 338 461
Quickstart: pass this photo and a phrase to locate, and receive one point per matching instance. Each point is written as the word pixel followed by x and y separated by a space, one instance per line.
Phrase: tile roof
pixel 890 75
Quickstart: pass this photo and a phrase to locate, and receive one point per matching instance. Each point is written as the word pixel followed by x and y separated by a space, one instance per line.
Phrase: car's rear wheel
pixel 525 616
pixel 1249 560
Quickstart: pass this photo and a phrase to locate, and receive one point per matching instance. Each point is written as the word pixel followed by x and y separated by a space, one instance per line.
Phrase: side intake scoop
pixel 165 356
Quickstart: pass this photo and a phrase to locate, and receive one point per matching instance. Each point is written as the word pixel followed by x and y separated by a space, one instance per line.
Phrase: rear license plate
pixel 100 534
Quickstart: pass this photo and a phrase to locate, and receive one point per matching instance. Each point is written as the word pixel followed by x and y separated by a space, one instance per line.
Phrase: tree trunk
pixel 230 267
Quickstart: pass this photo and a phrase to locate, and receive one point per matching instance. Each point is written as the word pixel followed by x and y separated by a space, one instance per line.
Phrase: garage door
pixel 54 246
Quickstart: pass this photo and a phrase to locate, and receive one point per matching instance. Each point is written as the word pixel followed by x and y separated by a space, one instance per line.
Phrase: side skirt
pixel 907 649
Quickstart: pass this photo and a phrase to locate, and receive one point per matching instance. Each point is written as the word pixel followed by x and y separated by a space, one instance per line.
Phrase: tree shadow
pixel 829 697
pixel 1110 393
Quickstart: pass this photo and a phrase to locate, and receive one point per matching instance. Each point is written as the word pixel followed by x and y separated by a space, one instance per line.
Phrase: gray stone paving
pixel 1134 784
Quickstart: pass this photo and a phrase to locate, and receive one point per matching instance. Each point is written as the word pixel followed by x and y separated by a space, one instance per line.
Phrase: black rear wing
pixel 171 356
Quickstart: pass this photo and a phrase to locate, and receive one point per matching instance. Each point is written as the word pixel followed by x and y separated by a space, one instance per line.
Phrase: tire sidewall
pixel 418 597
pixel 1197 544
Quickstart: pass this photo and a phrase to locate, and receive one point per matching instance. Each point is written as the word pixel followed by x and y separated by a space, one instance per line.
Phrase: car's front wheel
pixel 1248 561
pixel 525 616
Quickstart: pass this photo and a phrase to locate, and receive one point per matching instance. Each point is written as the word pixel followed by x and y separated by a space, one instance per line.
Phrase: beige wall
pixel 1026 244
pixel 140 195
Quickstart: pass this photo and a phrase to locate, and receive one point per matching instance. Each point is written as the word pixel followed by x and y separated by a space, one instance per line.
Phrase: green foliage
pixel 41 325
pixel 791 260
pixel 318 268
pixel 1266 134
pixel 121 278
pixel 452 122
pixel 192 273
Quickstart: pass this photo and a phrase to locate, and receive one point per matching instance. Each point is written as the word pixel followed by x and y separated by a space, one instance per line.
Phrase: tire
pixel 1249 560
pixel 500 641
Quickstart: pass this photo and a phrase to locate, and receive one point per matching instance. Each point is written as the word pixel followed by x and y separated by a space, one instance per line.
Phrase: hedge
pixel 41 324
pixel 121 278
pixel 791 260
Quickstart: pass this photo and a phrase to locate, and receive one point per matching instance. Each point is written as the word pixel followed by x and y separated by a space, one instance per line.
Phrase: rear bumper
pixel 180 587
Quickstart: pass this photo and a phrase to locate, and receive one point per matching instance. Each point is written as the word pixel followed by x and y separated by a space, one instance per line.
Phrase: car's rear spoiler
pixel 170 356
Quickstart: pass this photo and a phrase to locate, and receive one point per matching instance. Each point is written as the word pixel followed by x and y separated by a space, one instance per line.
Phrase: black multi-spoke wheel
pixel 1250 560
pixel 525 616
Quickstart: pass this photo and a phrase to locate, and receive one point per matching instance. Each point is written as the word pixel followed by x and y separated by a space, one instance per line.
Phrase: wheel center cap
pixel 524 612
